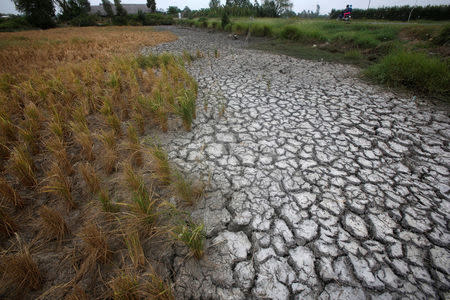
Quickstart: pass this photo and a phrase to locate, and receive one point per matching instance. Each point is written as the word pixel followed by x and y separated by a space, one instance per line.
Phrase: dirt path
pixel 322 186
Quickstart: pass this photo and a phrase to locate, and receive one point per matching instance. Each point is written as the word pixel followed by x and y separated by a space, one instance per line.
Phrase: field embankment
pixel 84 210
pixel 360 42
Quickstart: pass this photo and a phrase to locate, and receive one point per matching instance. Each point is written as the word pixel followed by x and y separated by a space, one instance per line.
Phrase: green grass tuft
pixel 416 71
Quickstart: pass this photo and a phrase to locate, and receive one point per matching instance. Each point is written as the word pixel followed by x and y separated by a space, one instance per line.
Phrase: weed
pixel 413 70
pixel 109 160
pixel 83 137
pixel 161 164
pixel 4 150
pixel 56 125
pixel 145 204
pixel 216 53
pixel 192 235
pixel 9 194
pixel 186 109
pixel 7 129
pixel 77 294
pixel 58 183
pixel 115 124
pixel 139 120
pixel 222 109
pixel 108 138
pixel 53 225
pixel 134 246
pixel 7 224
pixel 157 288
pixel 20 272
pixel 107 204
pixel 95 246
pixel 147 61
pixel 188 192
pixel 133 180
pixel 31 139
pixel 125 286
pixel 90 177
pixel 58 149
pixel 22 166
pixel 135 146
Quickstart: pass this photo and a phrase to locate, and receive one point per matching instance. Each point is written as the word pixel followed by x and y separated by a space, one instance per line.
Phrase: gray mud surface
pixel 322 186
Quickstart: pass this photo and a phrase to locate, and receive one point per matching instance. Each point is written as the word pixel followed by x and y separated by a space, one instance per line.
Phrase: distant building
pixel 130 8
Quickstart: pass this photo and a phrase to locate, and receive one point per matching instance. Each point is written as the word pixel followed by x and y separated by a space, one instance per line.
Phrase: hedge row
pixel 400 13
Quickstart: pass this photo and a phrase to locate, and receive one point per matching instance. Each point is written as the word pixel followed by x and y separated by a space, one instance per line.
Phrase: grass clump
pixel 9 194
pixel 192 235
pixel 7 224
pixel 20 273
pixel 417 71
pixel 22 166
pixel 107 203
pixel 90 177
pixel 161 164
pixel 187 191
pixel 53 225
pixel 95 244
pixel 58 183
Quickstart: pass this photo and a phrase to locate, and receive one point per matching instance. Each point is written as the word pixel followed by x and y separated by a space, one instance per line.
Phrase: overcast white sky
pixel 7 6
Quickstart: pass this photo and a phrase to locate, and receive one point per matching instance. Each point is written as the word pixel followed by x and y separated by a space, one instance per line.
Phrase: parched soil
pixel 321 185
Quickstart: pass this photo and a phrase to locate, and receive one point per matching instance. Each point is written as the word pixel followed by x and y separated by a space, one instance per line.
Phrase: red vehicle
pixel 346 15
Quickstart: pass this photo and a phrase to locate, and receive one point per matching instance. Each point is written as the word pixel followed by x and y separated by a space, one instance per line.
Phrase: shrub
pixel 202 22
pixel 413 70
pixel 227 28
pixel 157 19
pixel 225 19
pixel 260 30
pixel 14 23
pixel 443 37
pixel 84 20
pixel 120 20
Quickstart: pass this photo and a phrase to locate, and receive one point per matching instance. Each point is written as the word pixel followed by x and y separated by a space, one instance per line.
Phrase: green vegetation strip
pixel 410 56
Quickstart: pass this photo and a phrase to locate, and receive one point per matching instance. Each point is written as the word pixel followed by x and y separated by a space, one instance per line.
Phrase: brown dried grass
pixel 20 272
pixel 37 50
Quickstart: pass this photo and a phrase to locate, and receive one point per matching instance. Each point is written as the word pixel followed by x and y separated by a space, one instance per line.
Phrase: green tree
pixel 225 19
pixel 283 6
pixel 173 10
pixel 39 13
pixel 186 12
pixel 107 7
pixel 120 11
pixel 151 4
pixel 73 8
pixel 214 4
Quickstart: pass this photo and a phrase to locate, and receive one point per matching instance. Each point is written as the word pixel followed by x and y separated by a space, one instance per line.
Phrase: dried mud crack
pixel 321 185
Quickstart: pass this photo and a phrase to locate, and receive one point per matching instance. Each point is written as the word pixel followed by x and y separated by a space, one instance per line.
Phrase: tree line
pixel 401 13
pixel 42 13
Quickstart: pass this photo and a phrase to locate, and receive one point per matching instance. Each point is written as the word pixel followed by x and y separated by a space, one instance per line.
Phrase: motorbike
pixel 345 17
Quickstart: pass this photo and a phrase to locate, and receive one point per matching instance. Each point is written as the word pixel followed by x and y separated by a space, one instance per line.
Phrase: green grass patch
pixel 415 71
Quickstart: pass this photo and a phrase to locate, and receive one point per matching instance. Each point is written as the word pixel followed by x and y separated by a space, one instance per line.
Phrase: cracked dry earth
pixel 321 186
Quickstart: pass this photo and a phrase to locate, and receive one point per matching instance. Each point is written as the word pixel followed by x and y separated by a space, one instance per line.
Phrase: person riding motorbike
pixel 346 14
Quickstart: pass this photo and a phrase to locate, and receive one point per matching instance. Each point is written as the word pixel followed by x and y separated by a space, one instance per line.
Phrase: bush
pixel 240 28
pixel 428 75
pixel 157 19
pixel 202 22
pixel 443 37
pixel 84 20
pixel 400 13
pixel 14 23
pixel 120 20
pixel 225 19
pixel 260 30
